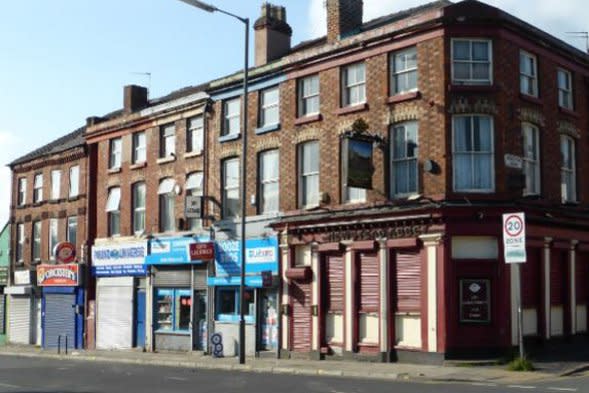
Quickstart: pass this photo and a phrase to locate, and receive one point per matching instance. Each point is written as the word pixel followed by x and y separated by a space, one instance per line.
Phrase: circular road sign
pixel 513 226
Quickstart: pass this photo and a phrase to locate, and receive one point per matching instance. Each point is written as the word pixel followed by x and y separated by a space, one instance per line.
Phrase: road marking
pixel 484 384
pixel 177 378
pixel 7 385
pixel 521 386
pixel 563 389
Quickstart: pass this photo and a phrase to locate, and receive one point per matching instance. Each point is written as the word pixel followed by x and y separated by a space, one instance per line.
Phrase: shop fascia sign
pixel 22 277
pixel 179 250
pixel 119 259
pixel 66 275
pixel 261 256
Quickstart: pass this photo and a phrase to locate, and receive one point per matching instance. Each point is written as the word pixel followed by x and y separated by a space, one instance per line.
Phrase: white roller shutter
pixel 19 320
pixel 114 313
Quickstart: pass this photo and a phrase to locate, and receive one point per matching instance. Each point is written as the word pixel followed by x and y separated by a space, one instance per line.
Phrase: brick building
pixel 48 208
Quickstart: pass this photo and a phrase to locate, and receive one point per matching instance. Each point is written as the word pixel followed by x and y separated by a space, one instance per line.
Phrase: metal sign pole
pixel 520 316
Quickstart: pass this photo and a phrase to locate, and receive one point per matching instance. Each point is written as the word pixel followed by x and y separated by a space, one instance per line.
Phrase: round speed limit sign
pixel 514 225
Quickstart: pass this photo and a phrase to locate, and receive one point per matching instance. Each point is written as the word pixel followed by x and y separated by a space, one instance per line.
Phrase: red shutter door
pixel 300 332
pixel 557 277
pixel 531 278
pixel 582 277
pixel 369 292
pixel 408 280
pixel 334 283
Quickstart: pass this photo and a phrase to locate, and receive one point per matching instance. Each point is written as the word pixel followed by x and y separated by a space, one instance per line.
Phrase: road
pixel 39 375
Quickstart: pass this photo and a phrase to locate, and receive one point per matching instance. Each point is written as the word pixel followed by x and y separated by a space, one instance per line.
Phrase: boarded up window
pixel 408 280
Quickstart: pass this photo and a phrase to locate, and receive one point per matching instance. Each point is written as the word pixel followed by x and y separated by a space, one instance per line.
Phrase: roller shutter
pixel 20 320
pixel 114 313
pixel 300 294
pixel 408 281
pixel 172 276
pixel 369 296
pixel 2 314
pixel 334 283
pixel 59 320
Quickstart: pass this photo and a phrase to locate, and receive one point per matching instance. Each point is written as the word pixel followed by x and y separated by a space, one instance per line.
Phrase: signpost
pixel 514 250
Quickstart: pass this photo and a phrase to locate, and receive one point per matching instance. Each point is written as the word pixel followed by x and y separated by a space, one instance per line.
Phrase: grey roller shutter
pixel 172 276
pixel 114 314
pixel 59 320
pixel 20 320
pixel 200 279
pixel 2 314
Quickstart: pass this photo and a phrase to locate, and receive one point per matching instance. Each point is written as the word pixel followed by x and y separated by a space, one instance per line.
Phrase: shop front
pixel 62 308
pixel 121 295
pixel 24 305
pixel 261 294
pixel 179 271
pixel 3 283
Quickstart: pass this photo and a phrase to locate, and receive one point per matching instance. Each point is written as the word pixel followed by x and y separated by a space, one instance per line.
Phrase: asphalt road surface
pixel 30 375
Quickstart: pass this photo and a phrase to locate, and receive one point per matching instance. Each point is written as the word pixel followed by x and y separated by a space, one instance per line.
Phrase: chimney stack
pixel 344 18
pixel 135 98
pixel 272 34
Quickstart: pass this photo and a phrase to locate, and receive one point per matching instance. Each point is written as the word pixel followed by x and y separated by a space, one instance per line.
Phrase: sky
pixel 65 60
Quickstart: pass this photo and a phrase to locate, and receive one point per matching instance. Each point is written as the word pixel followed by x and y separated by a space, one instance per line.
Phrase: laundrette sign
pixel 124 259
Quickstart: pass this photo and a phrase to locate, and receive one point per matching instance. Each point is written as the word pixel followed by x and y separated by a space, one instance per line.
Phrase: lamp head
pixel 201 5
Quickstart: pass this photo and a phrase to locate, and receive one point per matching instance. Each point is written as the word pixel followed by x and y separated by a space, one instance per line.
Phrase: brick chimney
pixel 135 98
pixel 272 34
pixel 344 18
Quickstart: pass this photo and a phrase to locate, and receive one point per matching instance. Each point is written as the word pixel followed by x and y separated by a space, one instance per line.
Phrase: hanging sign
pixel 65 252
pixel 58 275
pixel 514 237
pixel 358 168
pixel 201 251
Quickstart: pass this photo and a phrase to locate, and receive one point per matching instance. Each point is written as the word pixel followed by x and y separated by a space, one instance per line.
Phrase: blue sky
pixel 65 60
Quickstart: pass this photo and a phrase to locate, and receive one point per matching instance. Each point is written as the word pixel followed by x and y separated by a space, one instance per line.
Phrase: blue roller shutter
pixel 59 318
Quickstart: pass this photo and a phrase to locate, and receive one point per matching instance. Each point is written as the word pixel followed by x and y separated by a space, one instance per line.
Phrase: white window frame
pixel 404 72
pixel 55 184
pixel 531 77
pixel 531 159
pixel 565 93
pixel 474 153
pixel 168 140
pixel 115 153
pixel 167 205
pixel 307 95
pixel 566 143
pixel 265 106
pixel 138 211
pixel 38 188
pixel 348 87
pixel 22 191
pixel 305 200
pixel 195 132
pixel 228 116
pixel 405 159
pixel 113 211
pixel 194 187
pixel 228 187
pixel 72 223
pixel 36 241
pixel 20 243
pixel 471 62
pixel 53 236
pixel 74 181
pixel 274 157
pixel 139 142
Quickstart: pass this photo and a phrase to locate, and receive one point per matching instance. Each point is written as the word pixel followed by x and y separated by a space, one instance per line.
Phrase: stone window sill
pixel 307 119
pixel 408 96
pixel 266 129
pixel 472 88
pixel 352 109
pixel 230 137
pixel 569 112
pixel 192 154
pixel 166 160
pixel 531 99
pixel 114 170
pixel 138 165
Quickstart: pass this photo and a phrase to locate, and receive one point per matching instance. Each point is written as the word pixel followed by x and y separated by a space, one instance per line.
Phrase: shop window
pixel 227 305
pixel 173 310
pixel 474 247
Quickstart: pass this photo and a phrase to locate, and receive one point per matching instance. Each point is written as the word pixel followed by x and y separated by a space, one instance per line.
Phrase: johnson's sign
pixel 58 275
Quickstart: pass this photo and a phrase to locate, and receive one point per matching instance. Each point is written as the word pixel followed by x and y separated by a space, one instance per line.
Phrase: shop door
pixel 200 320
pixel 140 318
pixel 300 323
pixel 19 320
pixel 114 314
pixel 59 319
pixel 333 301
pixel 268 323
pixel 2 314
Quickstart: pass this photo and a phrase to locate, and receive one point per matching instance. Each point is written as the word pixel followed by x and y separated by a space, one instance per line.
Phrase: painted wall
pixel 5 245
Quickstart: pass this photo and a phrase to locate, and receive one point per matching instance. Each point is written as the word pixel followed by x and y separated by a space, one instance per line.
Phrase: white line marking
pixel 521 386
pixel 177 378
pixel 563 389
pixel 483 384
pixel 7 385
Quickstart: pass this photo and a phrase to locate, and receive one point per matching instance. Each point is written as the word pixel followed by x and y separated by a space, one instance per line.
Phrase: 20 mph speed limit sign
pixel 514 237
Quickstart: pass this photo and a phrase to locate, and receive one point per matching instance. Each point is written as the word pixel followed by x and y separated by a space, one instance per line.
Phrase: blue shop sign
pixel 261 255
pixel 171 251
pixel 119 259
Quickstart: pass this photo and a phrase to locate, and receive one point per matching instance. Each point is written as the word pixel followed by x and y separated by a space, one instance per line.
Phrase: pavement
pixel 466 372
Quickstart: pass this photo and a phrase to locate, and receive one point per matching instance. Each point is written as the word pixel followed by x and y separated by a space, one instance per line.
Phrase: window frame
pixel 395 194
pixel 304 200
pixel 532 78
pixel 137 147
pixel 226 130
pixel 194 224
pixel 38 188
pixel 264 107
pixel 394 73
pixel 195 134
pixel 563 92
pixel 471 81
pixel 491 154
pixel 176 294
pixel 138 210
pixel 346 86
pixel 22 191
pixel 55 184
pixel 529 129
pixel 36 234
pixel 115 156
pixel 302 99
pixel 19 256
pixel 165 137
pixel 234 316
pixel 167 208
pixel 53 237
pixel 74 191
pixel 113 215
pixel 72 222
pixel 572 170
pixel 226 187
pixel 264 182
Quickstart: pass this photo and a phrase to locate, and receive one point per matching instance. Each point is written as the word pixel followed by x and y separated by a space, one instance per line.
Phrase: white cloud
pixel 556 19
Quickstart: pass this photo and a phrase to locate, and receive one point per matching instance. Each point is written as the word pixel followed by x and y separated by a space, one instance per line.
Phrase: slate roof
pixel 61 144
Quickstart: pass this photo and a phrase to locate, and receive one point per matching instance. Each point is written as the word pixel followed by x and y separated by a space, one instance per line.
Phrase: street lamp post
pixel 246 22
